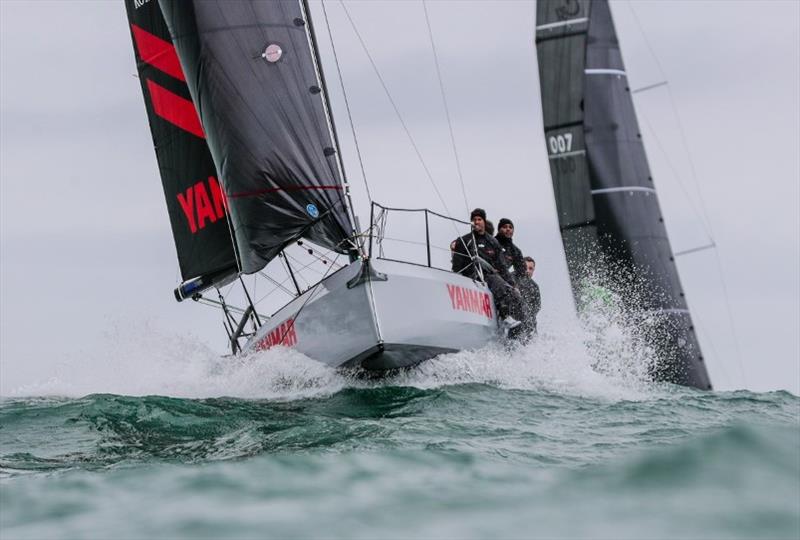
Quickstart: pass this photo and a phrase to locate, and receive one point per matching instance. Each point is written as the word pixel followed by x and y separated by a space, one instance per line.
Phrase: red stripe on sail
pixel 175 109
pixel 273 190
pixel 157 52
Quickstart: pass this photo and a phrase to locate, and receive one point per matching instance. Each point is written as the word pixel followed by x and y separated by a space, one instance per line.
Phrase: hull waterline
pixel 383 315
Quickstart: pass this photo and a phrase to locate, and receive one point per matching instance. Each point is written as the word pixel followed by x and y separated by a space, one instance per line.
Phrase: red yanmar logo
pixel 283 334
pixel 203 204
pixel 464 299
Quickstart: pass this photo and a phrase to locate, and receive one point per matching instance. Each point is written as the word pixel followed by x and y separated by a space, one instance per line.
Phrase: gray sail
pixel 608 210
pixel 253 75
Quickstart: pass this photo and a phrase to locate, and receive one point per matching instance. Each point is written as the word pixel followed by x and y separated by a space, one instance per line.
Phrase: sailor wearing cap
pixel 478 247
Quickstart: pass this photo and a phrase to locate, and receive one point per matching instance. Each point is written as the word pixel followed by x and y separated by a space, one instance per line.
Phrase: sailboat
pixel 606 199
pixel 250 164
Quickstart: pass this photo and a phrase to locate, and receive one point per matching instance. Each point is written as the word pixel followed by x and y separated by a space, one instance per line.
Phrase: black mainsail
pixel 252 72
pixel 195 201
pixel 607 205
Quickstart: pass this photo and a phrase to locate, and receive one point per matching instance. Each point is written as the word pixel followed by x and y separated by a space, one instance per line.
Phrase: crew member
pixel 477 247
pixel 516 262
pixel 512 254
pixel 533 298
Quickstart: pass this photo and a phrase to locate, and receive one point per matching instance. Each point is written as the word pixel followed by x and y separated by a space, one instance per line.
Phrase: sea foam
pixel 594 357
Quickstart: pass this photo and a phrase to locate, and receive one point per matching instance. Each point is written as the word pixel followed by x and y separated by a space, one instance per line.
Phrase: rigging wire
pixel 314 290
pixel 674 110
pixel 413 243
pixel 203 301
pixel 730 315
pixel 298 276
pixel 290 273
pixel 649 87
pixel 396 109
pixel 710 341
pixel 444 102
pixel 704 215
pixel 675 173
pixel 713 244
pixel 288 278
pixel 312 252
pixel 317 62
pixel 400 117
pixel 256 318
pixel 279 284
pixel 306 279
pixel 695 249
pixel 346 102
pixel 255 284
pixel 281 288
pixel 298 261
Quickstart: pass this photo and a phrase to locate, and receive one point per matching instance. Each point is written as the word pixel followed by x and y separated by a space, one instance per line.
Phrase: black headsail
pixel 607 205
pixel 194 198
pixel 252 72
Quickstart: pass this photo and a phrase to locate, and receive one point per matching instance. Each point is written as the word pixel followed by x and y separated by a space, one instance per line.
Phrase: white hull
pixel 396 315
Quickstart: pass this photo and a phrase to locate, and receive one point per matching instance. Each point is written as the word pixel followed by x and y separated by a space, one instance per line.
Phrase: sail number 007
pixel 560 143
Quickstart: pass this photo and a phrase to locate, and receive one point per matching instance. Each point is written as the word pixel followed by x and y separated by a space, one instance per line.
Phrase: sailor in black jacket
pixel 470 249
pixel 524 284
pixel 479 243
pixel 535 294
pixel 512 254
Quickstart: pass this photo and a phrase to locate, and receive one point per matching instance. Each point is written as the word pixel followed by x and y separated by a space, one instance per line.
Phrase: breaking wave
pixel 137 359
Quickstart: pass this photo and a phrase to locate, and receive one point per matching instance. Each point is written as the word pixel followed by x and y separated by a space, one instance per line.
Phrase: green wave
pixel 103 430
pixel 387 461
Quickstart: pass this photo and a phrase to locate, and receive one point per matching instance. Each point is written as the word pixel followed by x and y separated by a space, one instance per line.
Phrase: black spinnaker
pixel 195 201
pixel 252 73
pixel 608 209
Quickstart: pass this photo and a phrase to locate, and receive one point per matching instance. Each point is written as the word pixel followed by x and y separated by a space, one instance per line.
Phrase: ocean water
pixel 161 438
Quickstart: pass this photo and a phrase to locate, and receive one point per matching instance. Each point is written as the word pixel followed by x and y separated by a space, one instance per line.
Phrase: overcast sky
pixel 85 239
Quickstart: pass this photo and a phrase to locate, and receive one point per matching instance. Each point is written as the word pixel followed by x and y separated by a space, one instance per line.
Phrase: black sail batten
pixel 250 69
pixel 607 204
pixel 189 177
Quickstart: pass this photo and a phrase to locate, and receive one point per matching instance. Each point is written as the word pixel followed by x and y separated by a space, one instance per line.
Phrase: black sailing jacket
pixel 488 248
pixel 513 256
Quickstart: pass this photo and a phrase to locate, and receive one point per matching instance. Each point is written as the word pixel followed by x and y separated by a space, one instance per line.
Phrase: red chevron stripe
pixel 157 52
pixel 175 109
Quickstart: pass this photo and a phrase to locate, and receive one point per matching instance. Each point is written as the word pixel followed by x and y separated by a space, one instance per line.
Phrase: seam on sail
pixel 562 23
pixel 589 223
pixel 624 188
pixel 567 154
pixel 604 71
pixel 289 188
pixel 563 125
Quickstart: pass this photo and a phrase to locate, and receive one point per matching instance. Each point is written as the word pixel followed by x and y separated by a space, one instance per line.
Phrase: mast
pixel 312 36
pixel 610 219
